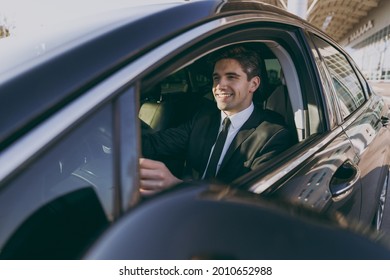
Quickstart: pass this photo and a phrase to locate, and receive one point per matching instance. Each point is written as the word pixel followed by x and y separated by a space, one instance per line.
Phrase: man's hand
pixel 155 177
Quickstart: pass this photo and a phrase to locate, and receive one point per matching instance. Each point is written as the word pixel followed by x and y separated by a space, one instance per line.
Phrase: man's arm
pixel 171 142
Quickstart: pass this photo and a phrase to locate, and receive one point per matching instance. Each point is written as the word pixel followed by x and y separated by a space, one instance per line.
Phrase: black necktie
pixel 212 167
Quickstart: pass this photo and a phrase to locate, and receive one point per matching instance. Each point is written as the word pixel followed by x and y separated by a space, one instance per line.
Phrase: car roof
pixel 43 74
pixel 42 31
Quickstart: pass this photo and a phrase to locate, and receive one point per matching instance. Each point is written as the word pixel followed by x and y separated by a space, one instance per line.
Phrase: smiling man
pixel 220 143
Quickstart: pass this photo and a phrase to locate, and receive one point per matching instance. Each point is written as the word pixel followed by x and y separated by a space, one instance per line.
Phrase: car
pixel 76 102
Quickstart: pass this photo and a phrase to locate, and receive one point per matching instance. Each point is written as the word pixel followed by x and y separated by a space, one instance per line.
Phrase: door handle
pixel 344 178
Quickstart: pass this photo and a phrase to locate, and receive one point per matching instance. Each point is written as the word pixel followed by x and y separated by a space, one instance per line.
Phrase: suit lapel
pixel 245 131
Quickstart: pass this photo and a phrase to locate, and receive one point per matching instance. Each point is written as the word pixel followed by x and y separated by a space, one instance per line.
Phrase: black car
pixel 75 104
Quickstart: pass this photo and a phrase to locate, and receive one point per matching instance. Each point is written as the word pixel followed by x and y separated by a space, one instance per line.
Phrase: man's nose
pixel 222 83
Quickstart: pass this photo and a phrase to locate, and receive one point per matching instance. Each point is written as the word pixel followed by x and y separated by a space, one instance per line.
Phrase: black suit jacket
pixel 261 137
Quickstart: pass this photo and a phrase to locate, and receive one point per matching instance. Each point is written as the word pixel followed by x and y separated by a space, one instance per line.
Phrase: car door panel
pixel 360 114
pixel 329 181
pixel 370 139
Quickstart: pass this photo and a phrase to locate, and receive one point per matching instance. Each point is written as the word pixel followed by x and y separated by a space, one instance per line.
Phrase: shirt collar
pixel 238 119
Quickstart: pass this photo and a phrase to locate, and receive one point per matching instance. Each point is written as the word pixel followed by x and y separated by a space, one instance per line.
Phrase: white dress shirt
pixel 237 121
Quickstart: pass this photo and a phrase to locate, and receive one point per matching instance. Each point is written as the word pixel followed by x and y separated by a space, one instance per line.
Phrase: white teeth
pixel 225 94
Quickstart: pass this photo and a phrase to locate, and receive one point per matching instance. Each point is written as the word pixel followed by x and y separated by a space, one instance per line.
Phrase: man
pixel 223 142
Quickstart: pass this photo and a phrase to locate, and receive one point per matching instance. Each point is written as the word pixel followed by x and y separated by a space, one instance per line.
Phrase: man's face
pixel 231 88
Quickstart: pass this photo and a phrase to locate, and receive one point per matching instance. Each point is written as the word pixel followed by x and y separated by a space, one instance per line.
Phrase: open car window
pixel 177 96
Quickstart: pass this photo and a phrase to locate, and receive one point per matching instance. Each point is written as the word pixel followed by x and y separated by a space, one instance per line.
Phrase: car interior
pixel 175 99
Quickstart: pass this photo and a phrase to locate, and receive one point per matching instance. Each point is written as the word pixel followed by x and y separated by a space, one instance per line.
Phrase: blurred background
pixel 361 27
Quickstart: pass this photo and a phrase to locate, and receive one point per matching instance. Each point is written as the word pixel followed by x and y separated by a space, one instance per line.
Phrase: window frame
pixel 290 39
pixel 334 99
pixel 281 38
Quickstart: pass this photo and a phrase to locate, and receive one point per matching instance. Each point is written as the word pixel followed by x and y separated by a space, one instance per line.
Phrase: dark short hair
pixel 246 57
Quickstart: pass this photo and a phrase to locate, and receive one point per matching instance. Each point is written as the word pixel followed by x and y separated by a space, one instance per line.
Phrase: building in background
pixel 362 27
pixel 368 43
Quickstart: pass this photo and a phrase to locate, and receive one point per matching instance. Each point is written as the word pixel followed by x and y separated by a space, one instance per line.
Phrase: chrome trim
pixel 288 167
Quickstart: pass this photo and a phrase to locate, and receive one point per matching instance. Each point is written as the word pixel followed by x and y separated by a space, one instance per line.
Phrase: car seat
pixel 279 102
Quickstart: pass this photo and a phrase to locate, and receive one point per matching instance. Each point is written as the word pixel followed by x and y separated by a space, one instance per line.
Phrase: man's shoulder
pixel 273 126
pixel 269 117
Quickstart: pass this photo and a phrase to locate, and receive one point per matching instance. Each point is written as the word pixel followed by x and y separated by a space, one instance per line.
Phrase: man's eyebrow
pixel 227 74
pixel 233 74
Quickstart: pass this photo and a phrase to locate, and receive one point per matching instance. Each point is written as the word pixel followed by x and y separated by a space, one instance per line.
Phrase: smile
pixel 224 94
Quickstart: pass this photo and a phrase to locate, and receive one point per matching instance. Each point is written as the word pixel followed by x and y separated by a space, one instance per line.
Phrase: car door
pixel 71 173
pixel 321 172
pixel 362 118
pixel 322 176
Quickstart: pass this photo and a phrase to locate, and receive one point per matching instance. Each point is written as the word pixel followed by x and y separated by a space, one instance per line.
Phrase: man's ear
pixel 254 84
